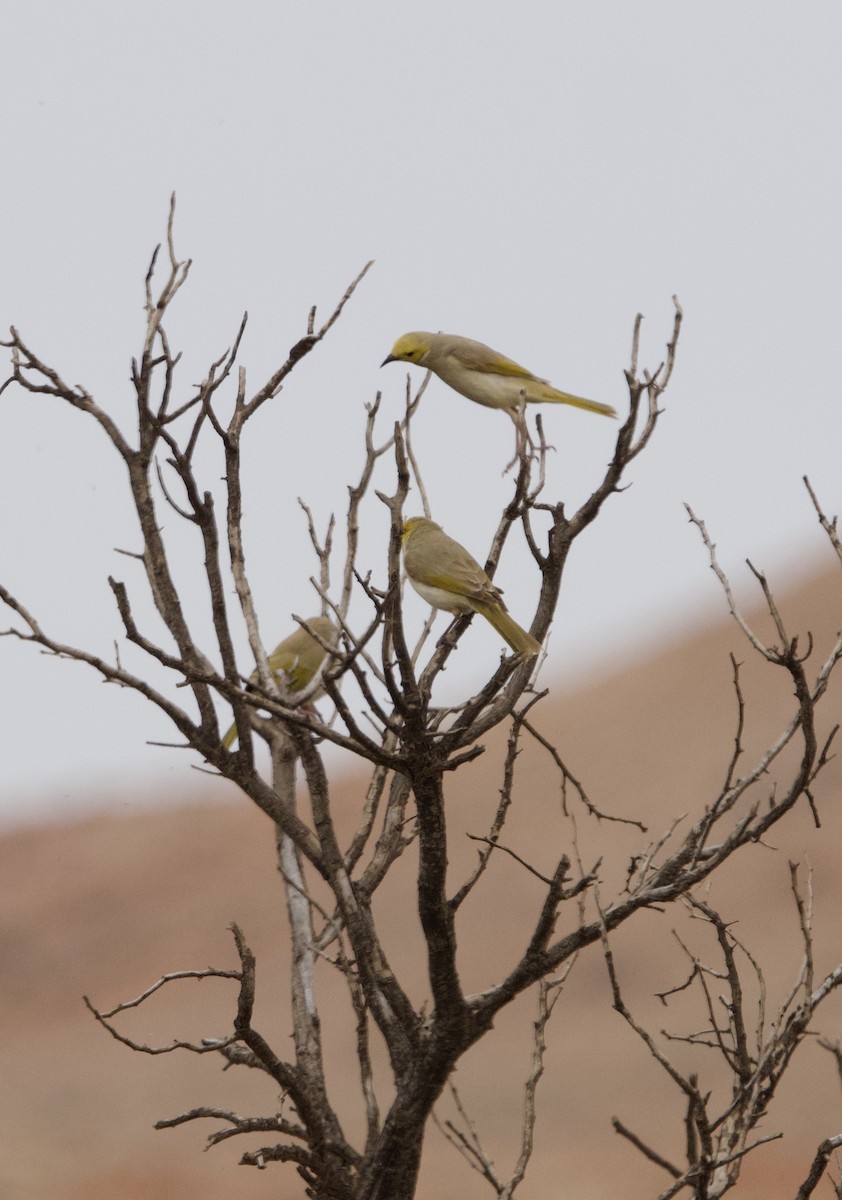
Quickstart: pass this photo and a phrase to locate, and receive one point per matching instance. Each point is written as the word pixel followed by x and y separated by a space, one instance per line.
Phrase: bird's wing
pixel 488 594
pixel 285 665
pixel 477 357
pixel 465 581
pixel 451 580
pixel 455 570
pixel 282 659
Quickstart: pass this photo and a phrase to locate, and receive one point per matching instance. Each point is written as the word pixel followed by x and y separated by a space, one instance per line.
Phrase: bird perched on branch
pixel 447 576
pixel 296 663
pixel 483 375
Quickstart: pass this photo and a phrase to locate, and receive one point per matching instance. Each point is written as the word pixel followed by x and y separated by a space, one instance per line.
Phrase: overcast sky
pixel 531 175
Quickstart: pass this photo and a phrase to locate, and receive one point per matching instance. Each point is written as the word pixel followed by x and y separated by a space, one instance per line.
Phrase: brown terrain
pixel 106 905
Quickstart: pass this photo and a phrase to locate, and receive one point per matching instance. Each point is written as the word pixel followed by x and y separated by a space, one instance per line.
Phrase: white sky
pixel 528 175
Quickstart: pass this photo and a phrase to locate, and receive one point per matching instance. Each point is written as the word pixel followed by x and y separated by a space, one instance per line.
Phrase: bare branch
pixel 645 1150
pixel 299 350
pixel 759 646
pixel 817 1169
pixel 567 776
pixel 828 525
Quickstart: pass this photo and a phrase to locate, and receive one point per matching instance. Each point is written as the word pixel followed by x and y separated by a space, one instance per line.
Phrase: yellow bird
pixel 447 576
pixel 296 662
pixel 483 375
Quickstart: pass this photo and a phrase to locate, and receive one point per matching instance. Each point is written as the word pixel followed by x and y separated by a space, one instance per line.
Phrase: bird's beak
pixel 391 358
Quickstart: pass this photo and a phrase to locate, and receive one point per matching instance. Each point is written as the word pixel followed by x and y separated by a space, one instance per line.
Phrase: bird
pixel 483 375
pixel 296 662
pixel 445 575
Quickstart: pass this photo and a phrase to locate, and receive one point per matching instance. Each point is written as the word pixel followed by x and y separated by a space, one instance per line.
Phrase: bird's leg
pixel 524 445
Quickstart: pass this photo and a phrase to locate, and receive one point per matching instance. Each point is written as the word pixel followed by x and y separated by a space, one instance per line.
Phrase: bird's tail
pixel 230 737
pixel 542 392
pixel 524 644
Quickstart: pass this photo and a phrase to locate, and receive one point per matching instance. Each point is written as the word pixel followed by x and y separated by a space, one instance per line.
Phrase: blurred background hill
pixel 105 905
